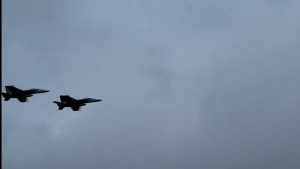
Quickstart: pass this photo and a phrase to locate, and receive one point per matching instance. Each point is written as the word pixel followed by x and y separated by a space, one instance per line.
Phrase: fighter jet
pixel 21 95
pixel 74 104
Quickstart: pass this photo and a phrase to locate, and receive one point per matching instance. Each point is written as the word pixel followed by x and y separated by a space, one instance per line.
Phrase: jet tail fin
pixel 6 96
pixel 60 105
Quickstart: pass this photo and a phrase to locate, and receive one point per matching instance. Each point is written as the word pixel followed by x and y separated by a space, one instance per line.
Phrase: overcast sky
pixel 186 84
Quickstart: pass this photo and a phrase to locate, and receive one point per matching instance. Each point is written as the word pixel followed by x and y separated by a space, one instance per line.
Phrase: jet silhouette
pixel 74 104
pixel 21 95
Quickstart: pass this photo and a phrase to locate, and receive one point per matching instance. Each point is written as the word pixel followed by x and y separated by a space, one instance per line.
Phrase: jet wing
pixel 75 108
pixel 66 98
pixel 22 99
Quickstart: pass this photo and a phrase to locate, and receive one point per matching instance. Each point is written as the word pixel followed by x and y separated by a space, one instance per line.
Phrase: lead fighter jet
pixel 21 95
pixel 74 104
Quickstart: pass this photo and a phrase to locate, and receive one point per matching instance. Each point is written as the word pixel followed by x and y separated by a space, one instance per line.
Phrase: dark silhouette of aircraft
pixel 74 104
pixel 21 95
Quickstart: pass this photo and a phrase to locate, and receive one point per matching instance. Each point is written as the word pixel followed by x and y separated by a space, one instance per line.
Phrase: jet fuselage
pixel 21 95
pixel 74 104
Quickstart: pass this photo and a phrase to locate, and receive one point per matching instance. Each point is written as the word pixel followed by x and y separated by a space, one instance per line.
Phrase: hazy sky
pixel 186 84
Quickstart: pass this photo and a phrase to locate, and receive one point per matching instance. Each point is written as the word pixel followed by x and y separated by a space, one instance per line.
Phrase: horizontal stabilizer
pixel 60 105
pixel 6 96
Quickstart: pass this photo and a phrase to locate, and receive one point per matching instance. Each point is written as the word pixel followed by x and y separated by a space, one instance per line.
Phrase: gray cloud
pixel 193 84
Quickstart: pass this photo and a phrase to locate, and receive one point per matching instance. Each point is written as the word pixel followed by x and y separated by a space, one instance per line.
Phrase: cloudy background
pixel 191 84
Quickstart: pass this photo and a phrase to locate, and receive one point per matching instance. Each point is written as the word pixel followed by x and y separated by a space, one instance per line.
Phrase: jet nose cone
pixel 96 100
pixel 43 91
pixel 90 100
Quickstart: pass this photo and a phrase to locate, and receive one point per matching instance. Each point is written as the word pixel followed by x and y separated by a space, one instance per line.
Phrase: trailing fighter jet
pixel 21 95
pixel 74 104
